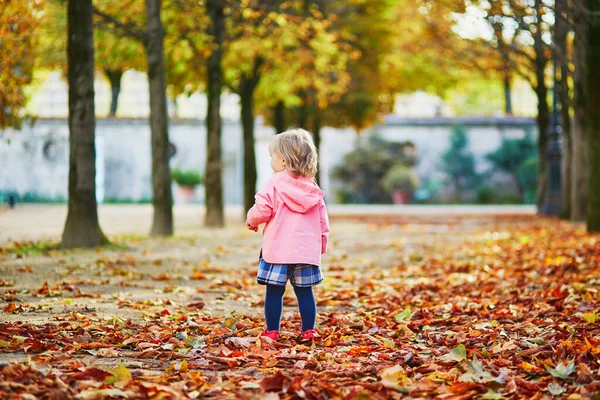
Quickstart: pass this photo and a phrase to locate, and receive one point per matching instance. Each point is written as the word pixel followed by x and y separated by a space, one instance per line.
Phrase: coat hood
pixel 299 194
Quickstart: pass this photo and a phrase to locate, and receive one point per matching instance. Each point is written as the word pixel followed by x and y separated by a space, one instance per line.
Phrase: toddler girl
pixel 296 229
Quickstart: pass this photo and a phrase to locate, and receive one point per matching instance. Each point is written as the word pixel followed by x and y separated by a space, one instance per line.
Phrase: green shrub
pixel 30 197
pixel 401 177
pixel 187 178
pixel 527 176
pixel 458 163
pixel 363 169
pixel 485 195
pixel 518 157
pixel 119 200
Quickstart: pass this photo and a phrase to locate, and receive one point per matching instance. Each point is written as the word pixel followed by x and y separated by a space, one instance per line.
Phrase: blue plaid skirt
pixel 302 275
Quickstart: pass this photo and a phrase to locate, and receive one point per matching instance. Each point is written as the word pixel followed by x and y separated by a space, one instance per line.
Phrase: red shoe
pixel 309 335
pixel 274 334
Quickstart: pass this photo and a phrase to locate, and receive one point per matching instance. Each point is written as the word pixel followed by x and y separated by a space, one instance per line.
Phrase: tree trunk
pixel 317 139
pixel 303 110
pixel 457 190
pixel 162 200
pixel 560 31
pixel 279 117
pixel 247 87
pixel 114 76
pixel 543 117
pixel 214 165
pixel 567 172
pixel 593 122
pixel 580 166
pixel 81 227
pixel 507 93
pixel 520 188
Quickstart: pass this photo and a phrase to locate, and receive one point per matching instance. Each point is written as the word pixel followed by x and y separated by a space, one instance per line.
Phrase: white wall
pixel 124 154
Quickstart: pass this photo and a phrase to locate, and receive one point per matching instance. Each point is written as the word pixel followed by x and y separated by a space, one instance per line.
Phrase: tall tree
pixel 162 200
pixel 247 87
pixel 215 9
pixel 541 90
pixel 81 228
pixel 18 25
pixel 593 118
pixel 580 165
pixel 251 43
pixel 528 32
pixel 279 117
pixel 562 58
pixel 152 39
pixel 282 57
pixel 262 34
pixel 505 66
pixel 115 54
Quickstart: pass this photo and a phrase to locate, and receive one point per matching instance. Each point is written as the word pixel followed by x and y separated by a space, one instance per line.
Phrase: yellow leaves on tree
pixel 18 20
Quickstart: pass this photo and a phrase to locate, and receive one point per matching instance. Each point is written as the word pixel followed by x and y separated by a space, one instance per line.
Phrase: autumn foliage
pixel 17 26
pixel 501 309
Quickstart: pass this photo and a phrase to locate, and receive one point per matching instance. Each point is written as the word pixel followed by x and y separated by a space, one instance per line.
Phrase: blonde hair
pixel 297 148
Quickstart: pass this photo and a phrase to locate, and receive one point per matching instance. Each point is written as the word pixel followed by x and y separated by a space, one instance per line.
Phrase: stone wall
pixel 35 159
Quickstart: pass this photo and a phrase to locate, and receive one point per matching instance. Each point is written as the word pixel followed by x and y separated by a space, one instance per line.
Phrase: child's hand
pixel 252 227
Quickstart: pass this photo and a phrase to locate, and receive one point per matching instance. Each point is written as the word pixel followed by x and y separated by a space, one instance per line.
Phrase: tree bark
pixel 593 122
pixel 162 200
pixel 507 92
pixel 247 87
pixel 214 165
pixel 317 139
pixel 81 227
pixel 543 117
pixel 303 110
pixel 580 166
pixel 114 76
pixel 279 117
pixel 519 187
pixel 560 32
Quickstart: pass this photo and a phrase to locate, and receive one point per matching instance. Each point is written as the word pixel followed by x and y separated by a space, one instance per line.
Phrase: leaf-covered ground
pixel 446 308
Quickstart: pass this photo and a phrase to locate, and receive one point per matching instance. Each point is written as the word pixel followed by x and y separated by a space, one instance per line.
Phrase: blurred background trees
pixel 339 64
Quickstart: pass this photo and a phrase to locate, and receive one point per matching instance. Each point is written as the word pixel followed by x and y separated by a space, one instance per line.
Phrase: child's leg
pixel 274 306
pixel 307 306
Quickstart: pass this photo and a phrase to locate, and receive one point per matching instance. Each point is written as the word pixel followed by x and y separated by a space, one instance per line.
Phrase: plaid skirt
pixel 302 275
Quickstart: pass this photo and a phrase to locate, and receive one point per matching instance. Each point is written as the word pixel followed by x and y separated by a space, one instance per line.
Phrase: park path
pixel 137 269
pixel 445 303
pixel 46 221
pixel 216 267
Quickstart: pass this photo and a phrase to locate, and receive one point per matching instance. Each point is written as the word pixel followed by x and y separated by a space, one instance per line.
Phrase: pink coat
pixel 297 226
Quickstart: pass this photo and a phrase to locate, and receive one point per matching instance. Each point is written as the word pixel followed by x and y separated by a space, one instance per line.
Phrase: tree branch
pixel 523 54
pixel 197 52
pixel 523 75
pixel 127 29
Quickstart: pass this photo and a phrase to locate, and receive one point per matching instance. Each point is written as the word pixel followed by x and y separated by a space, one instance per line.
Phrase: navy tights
pixel 274 306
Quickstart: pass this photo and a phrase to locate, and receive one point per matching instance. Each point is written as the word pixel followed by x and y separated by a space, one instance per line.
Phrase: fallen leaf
pixel 394 378
pixel 555 389
pixel 100 394
pixel 404 315
pixel 457 354
pixel 121 376
pixel 590 317
pixel 562 371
